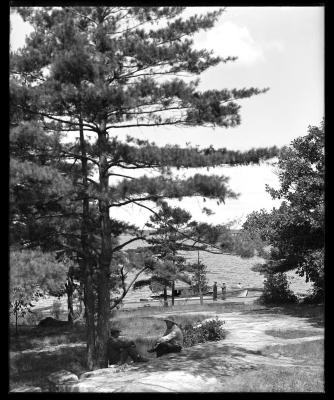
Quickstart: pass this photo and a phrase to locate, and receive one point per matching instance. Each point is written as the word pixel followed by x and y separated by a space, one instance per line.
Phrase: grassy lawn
pixel 309 377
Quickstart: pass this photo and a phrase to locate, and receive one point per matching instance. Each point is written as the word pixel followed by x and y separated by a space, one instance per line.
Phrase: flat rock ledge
pixel 111 380
pixel 196 369
pixel 201 368
pixel 26 388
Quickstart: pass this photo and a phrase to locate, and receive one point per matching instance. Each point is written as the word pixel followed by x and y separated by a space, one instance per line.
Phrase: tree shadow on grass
pixel 37 337
pixel 211 359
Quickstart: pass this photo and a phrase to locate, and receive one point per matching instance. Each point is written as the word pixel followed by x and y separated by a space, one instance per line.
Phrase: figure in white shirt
pixel 171 341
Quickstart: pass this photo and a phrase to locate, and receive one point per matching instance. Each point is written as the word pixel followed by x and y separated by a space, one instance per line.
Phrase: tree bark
pixel 200 282
pixel 165 297
pixel 16 318
pixel 89 298
pixel 89 301
pixel 200 295
pixel 106 252
pixel 70 291
pixel 173 289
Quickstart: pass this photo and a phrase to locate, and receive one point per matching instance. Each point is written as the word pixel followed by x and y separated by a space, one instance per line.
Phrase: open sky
pixel 277 47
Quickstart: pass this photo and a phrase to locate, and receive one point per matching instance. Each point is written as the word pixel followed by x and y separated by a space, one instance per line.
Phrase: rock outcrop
pixel 201 368
pixel 135 380
pixel 61 381
pixel 27 388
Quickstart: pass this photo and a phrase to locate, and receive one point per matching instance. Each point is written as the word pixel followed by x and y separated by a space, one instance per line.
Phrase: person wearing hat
pixel 171 341
pixel 119 349
pixel 224 291
pixel 214 291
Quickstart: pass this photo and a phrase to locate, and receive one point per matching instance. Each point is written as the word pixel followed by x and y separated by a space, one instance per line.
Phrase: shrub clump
pixel 316 297
pixel 211 330
pixel 276 290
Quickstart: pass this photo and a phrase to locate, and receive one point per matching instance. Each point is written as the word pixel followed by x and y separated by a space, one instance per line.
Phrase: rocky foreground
pixel 202 368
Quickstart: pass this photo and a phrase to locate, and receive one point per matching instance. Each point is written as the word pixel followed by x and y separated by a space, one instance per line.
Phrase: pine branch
pixel 147 198
pixel 81 15
pixel 175 123
pixel 87 126
pixel 76 156
pixel 123 176
pixel 117 248
pixel 183 234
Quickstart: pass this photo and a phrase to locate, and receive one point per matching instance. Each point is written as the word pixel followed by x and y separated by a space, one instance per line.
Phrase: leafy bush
pixel 316 297
pixel 211 330
pixel 276 290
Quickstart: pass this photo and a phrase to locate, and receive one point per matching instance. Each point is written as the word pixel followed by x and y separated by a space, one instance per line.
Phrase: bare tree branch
pixel 117 248
pixel 125 290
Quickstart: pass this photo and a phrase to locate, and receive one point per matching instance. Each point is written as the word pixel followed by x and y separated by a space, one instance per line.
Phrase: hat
pixel 114 330
pixel 170 319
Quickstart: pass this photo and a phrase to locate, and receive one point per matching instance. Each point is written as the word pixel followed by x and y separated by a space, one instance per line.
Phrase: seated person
pixel 119 349
pixel 171 341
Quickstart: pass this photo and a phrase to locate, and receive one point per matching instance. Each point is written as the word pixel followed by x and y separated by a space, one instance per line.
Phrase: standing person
pixel 214 293
pixel 171 341
pixel 119 349
pixel 223 291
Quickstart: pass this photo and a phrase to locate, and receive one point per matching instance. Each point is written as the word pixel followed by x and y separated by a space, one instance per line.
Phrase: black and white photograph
pixel 166 198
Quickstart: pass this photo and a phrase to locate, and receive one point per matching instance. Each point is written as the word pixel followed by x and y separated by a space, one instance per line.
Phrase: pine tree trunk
pixel 89 298
pixel 103 316
pixel 165 297
pixel 106 253
pixel 173 289
pixel 89 301
pixel 201 295
pixel 70 291
pixel 200 282
pixel 16 318
pixel 81 313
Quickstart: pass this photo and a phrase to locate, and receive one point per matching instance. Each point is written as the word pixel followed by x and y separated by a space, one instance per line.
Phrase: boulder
pixel 60 380
pixel 52 322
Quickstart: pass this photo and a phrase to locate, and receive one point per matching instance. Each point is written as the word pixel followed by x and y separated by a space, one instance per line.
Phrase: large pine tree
pixel 92 71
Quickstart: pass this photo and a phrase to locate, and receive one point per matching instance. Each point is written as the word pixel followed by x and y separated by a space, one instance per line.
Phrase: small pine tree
pixel 276 290
pixel 199 279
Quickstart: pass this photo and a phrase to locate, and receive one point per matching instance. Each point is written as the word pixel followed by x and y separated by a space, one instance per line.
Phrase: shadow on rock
pixel 206 360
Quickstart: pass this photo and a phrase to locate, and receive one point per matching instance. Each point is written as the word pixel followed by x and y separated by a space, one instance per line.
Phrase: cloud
pixel 230 39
